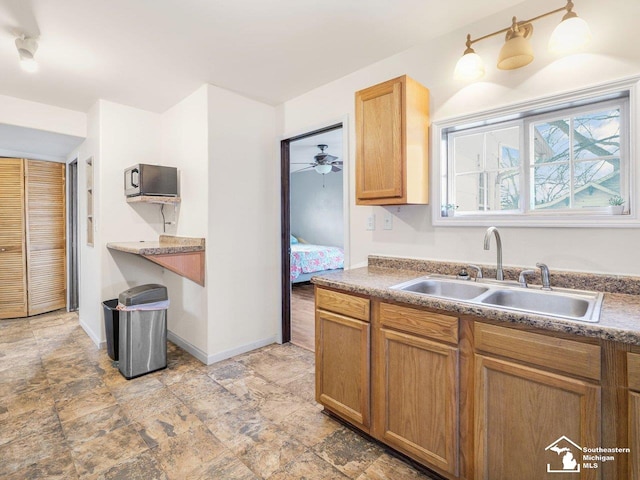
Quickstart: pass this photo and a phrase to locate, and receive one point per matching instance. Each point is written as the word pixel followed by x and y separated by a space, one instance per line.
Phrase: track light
pixel 26 50
pixel 569 36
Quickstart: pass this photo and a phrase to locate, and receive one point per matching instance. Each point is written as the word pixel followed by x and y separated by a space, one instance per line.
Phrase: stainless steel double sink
pixel 572 304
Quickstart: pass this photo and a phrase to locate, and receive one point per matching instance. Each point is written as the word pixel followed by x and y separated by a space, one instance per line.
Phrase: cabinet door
pixel 634 434
pixel 46 235
pixel 528 422
pixel 13 276
pixel 379 130
pixel 342 366
pixel 416 397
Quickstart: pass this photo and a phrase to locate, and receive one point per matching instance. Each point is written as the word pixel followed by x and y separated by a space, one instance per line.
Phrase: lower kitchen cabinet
pixel 529 421
pixel 633 382
pixel 342 357
pixel 415 397
pixel 470 398
pixel 634 434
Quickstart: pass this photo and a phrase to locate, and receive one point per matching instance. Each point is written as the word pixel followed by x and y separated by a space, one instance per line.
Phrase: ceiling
pixel 151 54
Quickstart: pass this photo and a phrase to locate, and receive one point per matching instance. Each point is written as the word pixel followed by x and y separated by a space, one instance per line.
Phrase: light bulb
pixel 515 53
pixel 27 48
pixel 470 67
pixel 570 35
pixel 29 65
pixel 322 168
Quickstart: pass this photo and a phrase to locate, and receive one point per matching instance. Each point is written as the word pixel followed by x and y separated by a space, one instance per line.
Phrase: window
pixel 485 176
pixel 576 159
pixel 545 164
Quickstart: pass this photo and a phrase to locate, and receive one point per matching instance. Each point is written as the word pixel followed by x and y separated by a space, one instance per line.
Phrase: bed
pixel 308 260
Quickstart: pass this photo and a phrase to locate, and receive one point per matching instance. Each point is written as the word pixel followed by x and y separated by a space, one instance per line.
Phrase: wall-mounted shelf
pixel 154 199
pixel 181 255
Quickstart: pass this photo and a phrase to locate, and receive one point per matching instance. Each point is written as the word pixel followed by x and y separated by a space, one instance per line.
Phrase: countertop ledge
pixel 619 319
pixel 165 245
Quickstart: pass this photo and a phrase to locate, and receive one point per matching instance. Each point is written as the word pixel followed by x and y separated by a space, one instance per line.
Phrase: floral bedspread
pixel 307 258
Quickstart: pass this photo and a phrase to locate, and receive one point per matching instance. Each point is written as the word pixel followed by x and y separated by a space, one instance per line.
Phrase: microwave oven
pixel 143 179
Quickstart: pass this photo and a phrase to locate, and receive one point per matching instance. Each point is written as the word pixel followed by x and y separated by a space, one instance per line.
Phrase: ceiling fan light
pixel 322 169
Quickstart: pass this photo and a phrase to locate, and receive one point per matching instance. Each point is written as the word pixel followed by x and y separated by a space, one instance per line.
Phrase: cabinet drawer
pixel 354 307
pixel 567 356
pixel 412 320
pixel 633 370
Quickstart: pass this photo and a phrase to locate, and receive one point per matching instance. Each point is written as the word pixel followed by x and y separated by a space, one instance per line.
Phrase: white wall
pixel 614 54
pixel 118 137
pixel 317 208
pixel 243 253
pixel 224 147
pixel 24 113
pixel 185 137
pixel 128 136
pixel 90 270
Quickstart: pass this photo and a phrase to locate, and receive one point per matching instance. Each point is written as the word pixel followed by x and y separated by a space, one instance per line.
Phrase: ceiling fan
pixel 323 163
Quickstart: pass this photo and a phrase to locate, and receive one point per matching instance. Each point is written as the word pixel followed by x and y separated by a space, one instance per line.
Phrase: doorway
pixel 72 192
pixel 313 206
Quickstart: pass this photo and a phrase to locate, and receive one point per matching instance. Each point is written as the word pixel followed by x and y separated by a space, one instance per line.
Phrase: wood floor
pixel 303 316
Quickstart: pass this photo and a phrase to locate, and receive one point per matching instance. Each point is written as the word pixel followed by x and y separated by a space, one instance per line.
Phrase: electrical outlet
pixel 371 222
pixel 388 221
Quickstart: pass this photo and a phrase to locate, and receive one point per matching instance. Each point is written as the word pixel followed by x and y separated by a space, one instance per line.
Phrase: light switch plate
pixel 371 222
pixel 388 221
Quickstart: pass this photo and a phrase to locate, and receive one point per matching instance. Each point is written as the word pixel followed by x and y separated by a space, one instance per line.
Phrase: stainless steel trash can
pixel 112 327
pixel 143 330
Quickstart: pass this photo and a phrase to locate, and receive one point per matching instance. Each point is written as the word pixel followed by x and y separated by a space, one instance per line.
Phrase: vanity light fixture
pixel 26 50
pixel 570 35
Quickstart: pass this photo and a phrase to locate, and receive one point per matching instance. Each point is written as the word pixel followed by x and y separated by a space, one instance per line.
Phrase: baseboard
pixel 187 346
pixel 91 334
pixel 218 357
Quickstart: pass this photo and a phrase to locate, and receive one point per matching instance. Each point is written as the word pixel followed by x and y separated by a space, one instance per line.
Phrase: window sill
pixel 606 220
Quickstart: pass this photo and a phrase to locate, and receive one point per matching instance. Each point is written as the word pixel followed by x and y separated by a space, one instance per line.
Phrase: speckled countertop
pixel 166 245
pixel 619 318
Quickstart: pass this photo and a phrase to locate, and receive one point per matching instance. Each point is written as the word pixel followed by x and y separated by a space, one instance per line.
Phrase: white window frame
pixel 450 179
pixel 511 115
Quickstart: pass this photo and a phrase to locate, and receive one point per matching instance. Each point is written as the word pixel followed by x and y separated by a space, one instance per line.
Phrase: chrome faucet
pixel 544 271
pixel 487 244
pixel 477 269
pixel 522 279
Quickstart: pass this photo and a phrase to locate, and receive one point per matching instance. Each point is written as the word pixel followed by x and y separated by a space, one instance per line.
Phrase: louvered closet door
pixel 13 284
pixel 46 236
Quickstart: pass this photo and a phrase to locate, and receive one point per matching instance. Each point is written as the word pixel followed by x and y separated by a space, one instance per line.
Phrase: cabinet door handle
pixel 135 185
pixel 3 249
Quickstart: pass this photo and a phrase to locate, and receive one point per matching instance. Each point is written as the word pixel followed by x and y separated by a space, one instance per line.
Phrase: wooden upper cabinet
pixel 392 136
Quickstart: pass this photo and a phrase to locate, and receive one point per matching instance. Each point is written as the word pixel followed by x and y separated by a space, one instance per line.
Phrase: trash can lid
pixel 142 294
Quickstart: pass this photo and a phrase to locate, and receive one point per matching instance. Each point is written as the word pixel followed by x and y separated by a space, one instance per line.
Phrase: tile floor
pixel 67 413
